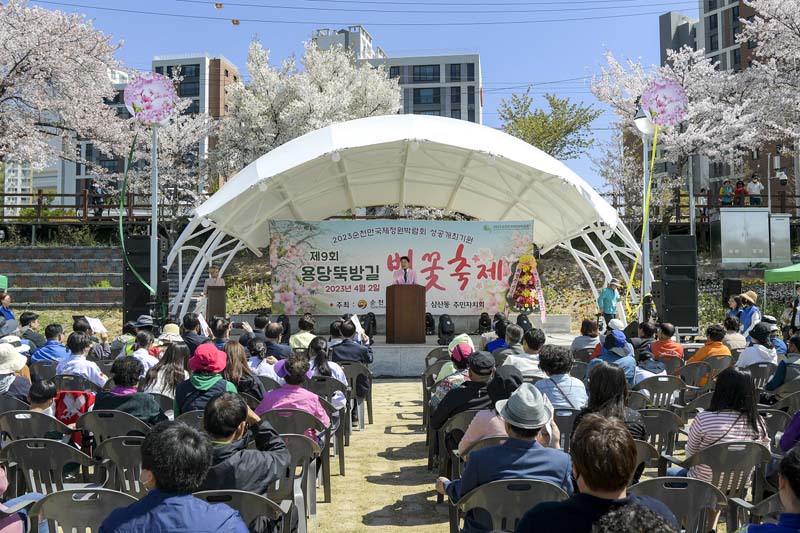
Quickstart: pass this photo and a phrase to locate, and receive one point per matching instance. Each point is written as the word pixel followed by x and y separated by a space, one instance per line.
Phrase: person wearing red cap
pixel 206 382
pixel 459 355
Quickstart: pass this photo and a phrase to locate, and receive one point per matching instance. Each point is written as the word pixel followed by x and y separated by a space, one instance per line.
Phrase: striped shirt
pixel 714 427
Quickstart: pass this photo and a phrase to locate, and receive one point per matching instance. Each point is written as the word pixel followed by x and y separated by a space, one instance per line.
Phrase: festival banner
pixel 344 266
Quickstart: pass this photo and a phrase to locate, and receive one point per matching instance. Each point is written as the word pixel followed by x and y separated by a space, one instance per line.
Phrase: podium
pixel 405 314
pixel 217 302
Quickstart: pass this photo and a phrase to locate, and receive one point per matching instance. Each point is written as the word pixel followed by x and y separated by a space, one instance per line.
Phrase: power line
pixel 449 11
pixel 460 4
pixel 329 23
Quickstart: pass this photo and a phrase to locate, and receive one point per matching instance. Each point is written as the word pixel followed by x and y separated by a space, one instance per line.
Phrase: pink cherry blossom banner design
pixel 341 266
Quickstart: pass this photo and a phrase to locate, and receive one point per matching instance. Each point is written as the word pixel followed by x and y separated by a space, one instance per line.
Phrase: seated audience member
pixel 775 335
pixel 761 350
pixel 172 370
pixel 29 329
pixel 647 367
pixel 275 349
pixel 471 394
pixel 733 339
pixel 528 360
pixel 125 395
pixel 335 332
pixel 460 356
pixel 789 368
pixel 614 324
pixel 302 338
pixel 500 327
pixel 350 350
pixel 521 456
pixel 220 329
pixel 53 349
pixel 141 350
pixel 789 494
pixel 665 346
pixel 633 518
pixel 175 461
pixel 260 363
pixel 791 435
pixel 123 345
pixel 11 384
pixel 76 364
pixel 616 353
pixel 321 366
pixel 602 482
pixel 608 396
pixel 487 422
pixel 192 334
pixel 100 349
pixel 41 397
pixel 589 337
pixel 232 426
pixel 207 365
pixel 450 367
pixel 714 346
pixel 238 372
pixel 292 395
pixel 647 336
pixel 563 390
pixel 731 416
pixel 514 335
pixel 260 323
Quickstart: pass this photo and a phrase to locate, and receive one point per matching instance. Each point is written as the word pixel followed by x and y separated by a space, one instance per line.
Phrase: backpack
pixel 430 324
pixel 524 322
pixel 283 320
pixel 447 330
pixel 484 324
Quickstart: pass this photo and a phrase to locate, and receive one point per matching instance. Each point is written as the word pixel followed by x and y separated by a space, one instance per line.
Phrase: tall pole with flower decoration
pixel 150 99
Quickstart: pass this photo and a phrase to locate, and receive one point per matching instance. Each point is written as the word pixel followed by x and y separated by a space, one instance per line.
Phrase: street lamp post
pixel 647 129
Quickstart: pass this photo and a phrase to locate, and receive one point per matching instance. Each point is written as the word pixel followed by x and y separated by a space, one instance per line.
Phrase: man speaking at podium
pixel 405 276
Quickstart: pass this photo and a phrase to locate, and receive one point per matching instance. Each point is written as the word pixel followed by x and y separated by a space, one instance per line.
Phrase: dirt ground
pixel 386 487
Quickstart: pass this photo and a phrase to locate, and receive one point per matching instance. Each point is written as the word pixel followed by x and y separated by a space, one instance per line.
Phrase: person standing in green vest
pixel 608 300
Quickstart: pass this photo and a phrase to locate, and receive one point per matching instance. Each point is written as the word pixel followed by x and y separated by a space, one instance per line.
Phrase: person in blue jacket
pixel 615 351
pixel 751 315
pixel 53 349
pixel 608 300
pixel 175 461
pixel 789 494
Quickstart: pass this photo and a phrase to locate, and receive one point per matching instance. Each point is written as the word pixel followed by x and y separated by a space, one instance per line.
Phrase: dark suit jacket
pixel 470 395
pixel 193 340
pixel 277 350
pixel 246 337
pixel 349 350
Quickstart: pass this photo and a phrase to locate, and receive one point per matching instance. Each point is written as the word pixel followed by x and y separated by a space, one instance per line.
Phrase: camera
pixel 237 325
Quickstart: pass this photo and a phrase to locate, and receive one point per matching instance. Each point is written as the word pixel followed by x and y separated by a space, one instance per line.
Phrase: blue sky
pixel 513 54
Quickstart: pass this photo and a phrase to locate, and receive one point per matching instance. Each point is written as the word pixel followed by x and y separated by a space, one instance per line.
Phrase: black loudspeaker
pixel 730 287
pixel 135 297
pixel 674 290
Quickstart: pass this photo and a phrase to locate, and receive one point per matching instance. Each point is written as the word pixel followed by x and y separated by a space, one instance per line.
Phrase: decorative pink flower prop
pixel 666 102
pixel 151 98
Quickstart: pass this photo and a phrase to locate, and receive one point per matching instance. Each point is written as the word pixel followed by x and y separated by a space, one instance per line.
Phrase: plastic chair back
pixel 689 349
pixel 790 404
pixel 776 422
pixel 72 382
pixel 42 370
pixel 761 373
pixel 787 388
pixel 9 403
pixel 123 459
pixel 505 501
pixel 488 442
pixel 671 364
pixel 662 427
pixel 637 400
pixel 694 373
pixel 269 383
pixel 79 509
pixel 645 453
pixel 353 369
pixel 583 354
pixel 767 510
pixel 732 464
pixel 18 425
pixel 251 506
pixel 440 353
pixel 41 462
pixel 164 402
pixel 718 363
pixel 690 500
pixel 661 389
pixel 691 409
pixel 565 420
pixel 104 424
pixel 325 386
pixel 251 401
pixel 578 370
pixel 193 419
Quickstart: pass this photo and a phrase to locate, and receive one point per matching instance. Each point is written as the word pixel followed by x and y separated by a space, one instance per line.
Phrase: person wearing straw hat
pixel 11 362
pixel 521 456
pixel 608 300
pixel 751 314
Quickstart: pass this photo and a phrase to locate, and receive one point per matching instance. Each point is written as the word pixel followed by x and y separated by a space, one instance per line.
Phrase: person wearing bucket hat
pixel 459 359
pixel 470 395
pixel 761 350
pixel 524 414
pixel 751 314
pixel 206 365
pixel 11 362
pixel 615 351
pixel 608 300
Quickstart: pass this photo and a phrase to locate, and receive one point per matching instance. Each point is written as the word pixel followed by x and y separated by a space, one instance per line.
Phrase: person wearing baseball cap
pixel 612 325
pixel 11 362
pixel 453 373
pixel 521 456
pixel 615 352
pixel 761 350
pixel 751 314
pixel 470 395
pixel 775 335
pixel 206 365
pixel 608 300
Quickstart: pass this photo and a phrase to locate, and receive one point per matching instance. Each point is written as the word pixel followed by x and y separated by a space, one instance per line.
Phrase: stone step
pixel 64 280
pixel 60 252
pixel 8 267
pixel 85 297
pixel 51 305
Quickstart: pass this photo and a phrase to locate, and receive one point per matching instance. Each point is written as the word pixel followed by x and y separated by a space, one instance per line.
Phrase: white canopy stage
pixel 407 160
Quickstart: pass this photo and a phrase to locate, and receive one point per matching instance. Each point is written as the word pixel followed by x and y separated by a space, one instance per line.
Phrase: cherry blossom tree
pixel 54 77
pixel 285 102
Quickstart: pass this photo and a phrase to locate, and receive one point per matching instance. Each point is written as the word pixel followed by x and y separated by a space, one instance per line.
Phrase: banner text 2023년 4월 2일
pixel 344 266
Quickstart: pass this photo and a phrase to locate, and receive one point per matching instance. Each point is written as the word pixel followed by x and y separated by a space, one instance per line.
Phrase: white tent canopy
pixel 405 160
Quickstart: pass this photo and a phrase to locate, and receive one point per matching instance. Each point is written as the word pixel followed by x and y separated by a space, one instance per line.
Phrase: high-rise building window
pixel 471 95
pixel 190 71
pixel 455 113
pixel 713 42
pixel 736 58
pixel 455 95
pixel 427 96
pixel 712 4
pixel 713 22
pixel 189 88
pixel 470 71
pixel 471 115
pixel 755 155
pixel 394 72
pixel 455 72
pixel 193 109
pixel 160 70
pixel 227 73
pixel 425 73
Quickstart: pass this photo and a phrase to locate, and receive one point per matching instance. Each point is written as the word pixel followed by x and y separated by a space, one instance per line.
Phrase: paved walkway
pixel 387 487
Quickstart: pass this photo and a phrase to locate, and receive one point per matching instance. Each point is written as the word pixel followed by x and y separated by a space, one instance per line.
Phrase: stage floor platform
pixel 408 360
